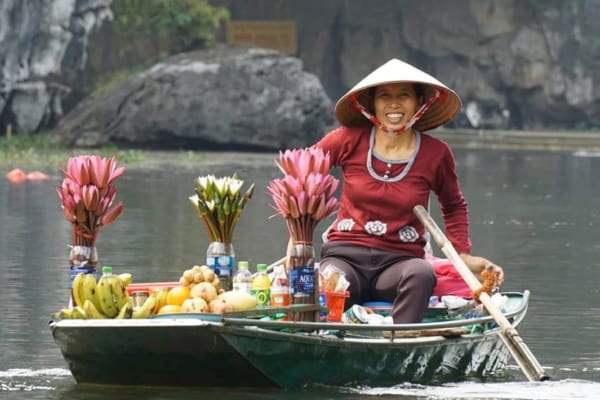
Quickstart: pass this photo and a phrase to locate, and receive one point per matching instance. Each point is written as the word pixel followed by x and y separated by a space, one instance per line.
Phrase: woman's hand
pixel 478 264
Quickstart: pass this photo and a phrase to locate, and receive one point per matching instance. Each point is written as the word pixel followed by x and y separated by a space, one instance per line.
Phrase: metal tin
pixel 139 297
pixel 355 315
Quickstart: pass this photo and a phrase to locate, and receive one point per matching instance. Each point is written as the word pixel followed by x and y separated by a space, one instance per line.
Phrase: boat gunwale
pixel 295 325
pixel 519 311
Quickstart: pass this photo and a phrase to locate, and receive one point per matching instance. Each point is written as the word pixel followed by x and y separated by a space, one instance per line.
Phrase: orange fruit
pixel 178 295
pixel 169 309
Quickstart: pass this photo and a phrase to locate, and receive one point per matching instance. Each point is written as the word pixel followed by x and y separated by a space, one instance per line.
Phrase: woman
pixel 389 166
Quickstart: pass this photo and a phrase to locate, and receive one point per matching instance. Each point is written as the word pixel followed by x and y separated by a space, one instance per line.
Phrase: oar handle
pixel 509 335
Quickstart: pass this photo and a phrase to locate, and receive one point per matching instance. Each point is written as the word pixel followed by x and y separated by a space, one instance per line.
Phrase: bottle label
pixel 225 265
pixel 280 299
pixel 221 265
pixel 262 297
pixel 302 280
pixel 243 287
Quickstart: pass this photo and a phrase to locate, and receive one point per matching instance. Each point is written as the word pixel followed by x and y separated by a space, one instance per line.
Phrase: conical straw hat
pixel 394 71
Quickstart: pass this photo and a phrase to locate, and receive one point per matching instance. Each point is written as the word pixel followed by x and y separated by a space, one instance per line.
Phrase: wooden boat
pixel 242 351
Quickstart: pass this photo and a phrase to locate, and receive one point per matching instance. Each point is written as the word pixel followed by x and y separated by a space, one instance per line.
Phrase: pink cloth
pixel 449 281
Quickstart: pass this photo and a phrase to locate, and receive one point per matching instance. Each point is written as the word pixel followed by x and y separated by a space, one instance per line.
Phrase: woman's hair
pixel 370 96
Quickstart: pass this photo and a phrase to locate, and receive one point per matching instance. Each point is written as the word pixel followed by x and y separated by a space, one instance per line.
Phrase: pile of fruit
pixel 106 297
pixel 198 291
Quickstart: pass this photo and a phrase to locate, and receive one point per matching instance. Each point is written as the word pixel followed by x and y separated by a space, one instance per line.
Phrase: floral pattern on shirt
pixel 345 225
pixel 408 234
pixel 376 228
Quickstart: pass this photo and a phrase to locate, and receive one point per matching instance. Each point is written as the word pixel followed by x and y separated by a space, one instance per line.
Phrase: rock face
pixel 42 42
pixel 517 64
pixel 223 98
pixel 522 64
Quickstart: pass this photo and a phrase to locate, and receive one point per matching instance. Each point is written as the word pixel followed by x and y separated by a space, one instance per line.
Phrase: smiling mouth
pixel 394 118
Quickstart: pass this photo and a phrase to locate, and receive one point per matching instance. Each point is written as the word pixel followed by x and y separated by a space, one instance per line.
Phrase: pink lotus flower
pixel 305 195
pixel 87 193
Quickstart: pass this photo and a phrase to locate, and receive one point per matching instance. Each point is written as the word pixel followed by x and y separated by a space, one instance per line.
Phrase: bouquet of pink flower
pixel 305 195
pixel 87 193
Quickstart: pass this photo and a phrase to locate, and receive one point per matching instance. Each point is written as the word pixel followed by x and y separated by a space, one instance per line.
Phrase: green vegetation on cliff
pixel 188 24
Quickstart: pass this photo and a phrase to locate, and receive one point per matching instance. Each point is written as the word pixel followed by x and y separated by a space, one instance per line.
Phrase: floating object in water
pixel 17 176
pixel 37 176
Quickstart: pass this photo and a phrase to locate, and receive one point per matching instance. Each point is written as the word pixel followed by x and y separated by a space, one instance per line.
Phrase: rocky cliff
pixel 43 44
pixel 523 64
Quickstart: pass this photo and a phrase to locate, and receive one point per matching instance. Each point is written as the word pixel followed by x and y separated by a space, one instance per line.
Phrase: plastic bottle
pixel 261 286
pixel 106 271
pixel 280 288
pixel 242 281
pixel 220 257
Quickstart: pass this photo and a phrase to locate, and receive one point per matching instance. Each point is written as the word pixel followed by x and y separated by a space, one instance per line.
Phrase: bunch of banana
pixel 69 313
pixel 105 298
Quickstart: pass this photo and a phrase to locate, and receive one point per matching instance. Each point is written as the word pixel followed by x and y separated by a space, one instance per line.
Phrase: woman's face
pixel 395 104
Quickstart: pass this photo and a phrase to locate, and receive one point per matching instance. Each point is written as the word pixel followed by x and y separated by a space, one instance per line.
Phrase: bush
pixel 188 24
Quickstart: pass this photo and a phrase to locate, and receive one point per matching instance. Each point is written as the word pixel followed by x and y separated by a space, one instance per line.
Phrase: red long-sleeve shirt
pixel 378 195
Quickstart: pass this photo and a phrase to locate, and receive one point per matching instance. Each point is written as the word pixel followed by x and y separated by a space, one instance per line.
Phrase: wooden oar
pixel 509 335
pixel 271 266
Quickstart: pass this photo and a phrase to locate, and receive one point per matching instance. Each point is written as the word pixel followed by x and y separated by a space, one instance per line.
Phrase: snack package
pixel 334 279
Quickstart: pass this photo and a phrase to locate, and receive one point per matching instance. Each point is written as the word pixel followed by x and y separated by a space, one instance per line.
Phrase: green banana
pixel 126 311
pixel 77 289
pixel 104 293
pixel 63 313
pixel 146 309
pixel 91 311
pixel 89 290
pixel 78 313
pixel 119 291
pixel 126 277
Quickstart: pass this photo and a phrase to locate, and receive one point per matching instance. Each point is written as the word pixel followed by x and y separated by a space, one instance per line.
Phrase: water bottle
pixel 242 281
pixel 220 257
pixel 280 288
pixel 261 286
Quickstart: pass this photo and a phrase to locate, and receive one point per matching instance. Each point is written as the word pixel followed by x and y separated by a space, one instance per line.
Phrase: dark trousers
pixel 378 275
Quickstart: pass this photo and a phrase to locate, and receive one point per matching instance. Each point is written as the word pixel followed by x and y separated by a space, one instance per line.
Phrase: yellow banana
pixel 146 309
pixel 126 277
pixel 126 311
pixel 161 300
pixel 78 313
pixel 63 313
pixel 89 290
pixel 77 289
pixel 91 311
pixel 119 291
pixel 104 293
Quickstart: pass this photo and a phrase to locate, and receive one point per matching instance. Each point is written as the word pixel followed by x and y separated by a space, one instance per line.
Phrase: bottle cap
pixel 261 267
pixel 243 265
pixel 106 269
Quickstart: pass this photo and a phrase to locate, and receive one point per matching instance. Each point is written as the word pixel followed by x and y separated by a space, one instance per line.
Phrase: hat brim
pixel 396 71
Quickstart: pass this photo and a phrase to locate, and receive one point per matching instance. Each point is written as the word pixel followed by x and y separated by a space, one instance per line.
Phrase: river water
pixel 535 213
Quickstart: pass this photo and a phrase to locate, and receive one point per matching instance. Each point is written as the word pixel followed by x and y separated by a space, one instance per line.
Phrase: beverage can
pixel 355 315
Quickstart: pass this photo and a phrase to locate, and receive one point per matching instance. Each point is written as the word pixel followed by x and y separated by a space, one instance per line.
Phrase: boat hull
pixel 294 361
pixel 152 352
pixel 214 351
